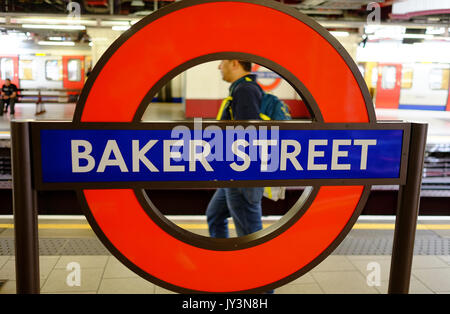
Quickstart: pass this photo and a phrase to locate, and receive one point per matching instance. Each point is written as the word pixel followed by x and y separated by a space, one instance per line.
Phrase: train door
pixel 447 106
pixel 9 68
pixel 388 85
pixel 370 74
pixel 73 72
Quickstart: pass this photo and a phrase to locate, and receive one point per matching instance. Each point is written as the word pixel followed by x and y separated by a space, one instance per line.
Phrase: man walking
pixel 242 204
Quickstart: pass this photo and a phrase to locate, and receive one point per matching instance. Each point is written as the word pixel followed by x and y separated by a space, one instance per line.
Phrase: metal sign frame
pixel 97 106
pixel 286 125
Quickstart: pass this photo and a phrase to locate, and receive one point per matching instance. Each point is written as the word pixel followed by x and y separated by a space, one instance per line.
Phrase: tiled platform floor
pixel 347 274
pixel 337 274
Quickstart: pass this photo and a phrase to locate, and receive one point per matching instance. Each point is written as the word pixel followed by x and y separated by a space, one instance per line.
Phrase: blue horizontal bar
pixel 422 107
pixel 152 155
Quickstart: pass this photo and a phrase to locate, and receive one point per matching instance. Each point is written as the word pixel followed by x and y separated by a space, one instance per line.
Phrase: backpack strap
pixel 261 115
pixel 264 117
pixel 223 105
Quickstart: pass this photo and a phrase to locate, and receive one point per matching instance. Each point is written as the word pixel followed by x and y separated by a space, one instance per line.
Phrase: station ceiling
pixel 324 9
pixel 348 15
pixel 125 7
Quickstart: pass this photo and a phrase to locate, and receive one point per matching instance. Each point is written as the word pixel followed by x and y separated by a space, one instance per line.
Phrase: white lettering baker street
pixel 287 152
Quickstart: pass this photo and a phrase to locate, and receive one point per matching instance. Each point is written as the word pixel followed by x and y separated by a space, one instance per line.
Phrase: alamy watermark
pixel 373 278
pixel 73 279
pixel 243 144
pixel 374 16
pixel 74 10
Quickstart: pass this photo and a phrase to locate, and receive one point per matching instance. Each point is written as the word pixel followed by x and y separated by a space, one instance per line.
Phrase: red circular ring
pixel 147 56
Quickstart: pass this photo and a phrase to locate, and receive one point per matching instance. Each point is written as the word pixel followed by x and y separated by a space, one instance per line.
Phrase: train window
pixel 53 70
pixel 438 78
pixel 26 70
pixel 445 78
pixel 374 78
pixel 361 69
pixel 388 77
pixel 7 68
pixel 407 78
pixel 74 70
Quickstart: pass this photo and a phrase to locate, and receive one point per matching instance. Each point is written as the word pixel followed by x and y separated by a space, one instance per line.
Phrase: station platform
pixel 66 239
pixel 60 112
pixel 438 121
pixel 368 246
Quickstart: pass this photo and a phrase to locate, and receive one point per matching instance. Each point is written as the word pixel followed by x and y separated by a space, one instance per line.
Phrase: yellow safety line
pixel 52 226
pixel 392 226
pixel 433 227
pixel 361 226
pixel 203 226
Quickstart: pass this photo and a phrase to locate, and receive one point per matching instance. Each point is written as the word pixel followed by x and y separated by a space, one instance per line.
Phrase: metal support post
pixel 25 212
pixel 407 212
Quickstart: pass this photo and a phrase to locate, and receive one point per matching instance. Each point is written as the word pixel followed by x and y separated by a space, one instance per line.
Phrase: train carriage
pixel 205 90
pixel 43 72
pixel 415 85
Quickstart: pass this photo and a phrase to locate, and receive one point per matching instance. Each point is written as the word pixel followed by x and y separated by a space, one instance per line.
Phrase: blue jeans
pixel 242 204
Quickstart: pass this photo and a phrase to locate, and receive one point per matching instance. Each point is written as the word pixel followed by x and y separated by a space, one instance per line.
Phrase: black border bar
pixel 36 127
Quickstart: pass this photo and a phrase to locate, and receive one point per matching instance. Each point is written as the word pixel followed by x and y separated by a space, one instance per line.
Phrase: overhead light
pixel 397 32
pixel 418 36
pixel 11 42
pixel 56 43
pixel 435 30
pixel 433 19
pixel 142 13
pixel 49 26
pixel 340 34
pixel 401 36
pixel 120 28
pixel 137 3
pixel 115 23
pixel 16 36
pixel 391 31
pixel 384 30
pixel 52 21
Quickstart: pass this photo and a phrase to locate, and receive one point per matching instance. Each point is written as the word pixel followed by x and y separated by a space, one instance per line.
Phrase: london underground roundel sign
pixel 145 58
pixel 276 80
